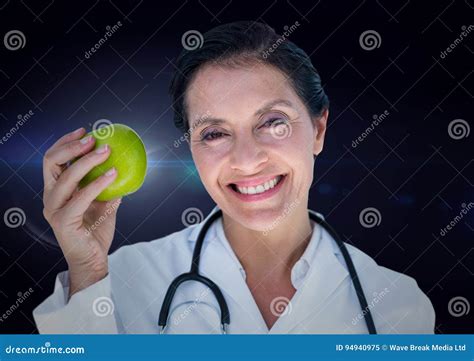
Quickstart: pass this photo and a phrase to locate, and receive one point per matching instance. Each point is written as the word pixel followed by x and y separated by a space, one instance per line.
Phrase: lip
pixel 260 196
pixel 254 181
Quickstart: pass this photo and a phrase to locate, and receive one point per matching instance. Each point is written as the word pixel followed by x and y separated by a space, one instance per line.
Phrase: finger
pixel 70 150
pixel 82 199
pixel 57 156
pixel 69 180
pixel 78 133
pixel 69 137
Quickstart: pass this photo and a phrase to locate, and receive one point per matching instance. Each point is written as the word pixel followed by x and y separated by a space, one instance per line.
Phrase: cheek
pixel 297 148
pixel 208 164
pixel 297 152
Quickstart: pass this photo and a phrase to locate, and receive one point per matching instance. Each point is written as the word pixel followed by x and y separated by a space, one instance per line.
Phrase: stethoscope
pixel 193 275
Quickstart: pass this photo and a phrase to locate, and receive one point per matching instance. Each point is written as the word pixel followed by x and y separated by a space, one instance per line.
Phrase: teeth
pixel 261 187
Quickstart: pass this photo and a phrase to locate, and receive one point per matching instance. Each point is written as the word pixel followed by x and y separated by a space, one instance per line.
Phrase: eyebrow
pixel 273 103
pixel 217 121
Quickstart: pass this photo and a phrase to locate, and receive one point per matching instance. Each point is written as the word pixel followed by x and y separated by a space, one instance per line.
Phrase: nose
pixel 247 155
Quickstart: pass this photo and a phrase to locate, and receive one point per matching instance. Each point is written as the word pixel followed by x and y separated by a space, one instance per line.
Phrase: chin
pixel 259 220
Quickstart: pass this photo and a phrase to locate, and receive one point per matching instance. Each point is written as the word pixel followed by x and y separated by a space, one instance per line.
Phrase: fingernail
pixel 86 140
pixel 110 172
pixel 78 130
pixel 102 149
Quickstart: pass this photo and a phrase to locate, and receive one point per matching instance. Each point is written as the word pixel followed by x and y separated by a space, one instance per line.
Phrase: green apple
pixel 127 155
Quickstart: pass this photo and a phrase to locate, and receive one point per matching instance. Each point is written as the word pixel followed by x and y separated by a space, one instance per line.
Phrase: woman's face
pixel 252 141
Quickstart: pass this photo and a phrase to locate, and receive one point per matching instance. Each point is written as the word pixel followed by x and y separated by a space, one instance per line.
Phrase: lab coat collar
pixel 300 269
pixel 313 300
pixel 197 228
pixel 219 263
pixel 313 297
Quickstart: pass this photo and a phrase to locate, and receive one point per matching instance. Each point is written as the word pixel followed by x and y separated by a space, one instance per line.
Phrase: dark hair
pixel 246 41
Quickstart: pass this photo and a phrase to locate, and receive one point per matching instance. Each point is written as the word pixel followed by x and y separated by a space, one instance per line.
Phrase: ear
pixel 320 131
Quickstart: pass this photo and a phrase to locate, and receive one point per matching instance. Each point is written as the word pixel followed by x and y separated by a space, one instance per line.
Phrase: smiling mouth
pixel 260 188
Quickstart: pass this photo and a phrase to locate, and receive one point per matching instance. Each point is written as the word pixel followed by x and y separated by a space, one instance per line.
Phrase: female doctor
pixel 253 108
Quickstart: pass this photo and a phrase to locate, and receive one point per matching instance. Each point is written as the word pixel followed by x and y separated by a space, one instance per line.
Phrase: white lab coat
pixel 129 298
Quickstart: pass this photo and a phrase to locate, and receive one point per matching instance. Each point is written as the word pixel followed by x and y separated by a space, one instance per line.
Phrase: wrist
pixel 81 278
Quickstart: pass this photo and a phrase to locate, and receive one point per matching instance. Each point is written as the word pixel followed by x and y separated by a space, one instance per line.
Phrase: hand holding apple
pixel 97 162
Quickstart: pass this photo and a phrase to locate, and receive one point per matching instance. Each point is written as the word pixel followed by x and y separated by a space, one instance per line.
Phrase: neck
pixel 275 250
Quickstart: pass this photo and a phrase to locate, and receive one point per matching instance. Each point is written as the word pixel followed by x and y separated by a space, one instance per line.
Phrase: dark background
pixel 409 168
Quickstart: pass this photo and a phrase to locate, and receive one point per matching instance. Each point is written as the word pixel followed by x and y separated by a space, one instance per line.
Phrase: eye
pixel 274 120
pixel 211 135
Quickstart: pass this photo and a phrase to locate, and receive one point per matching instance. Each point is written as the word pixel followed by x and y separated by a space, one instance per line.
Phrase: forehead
pixel 219 89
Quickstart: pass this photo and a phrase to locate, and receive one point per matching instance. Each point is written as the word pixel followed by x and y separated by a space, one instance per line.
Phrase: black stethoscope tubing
pixel 193 275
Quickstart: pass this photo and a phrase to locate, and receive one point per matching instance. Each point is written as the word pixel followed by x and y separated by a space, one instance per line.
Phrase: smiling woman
pixel 254 152
pixel 256 122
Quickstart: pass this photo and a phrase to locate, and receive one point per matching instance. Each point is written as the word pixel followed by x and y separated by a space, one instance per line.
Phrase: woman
pixel 255 120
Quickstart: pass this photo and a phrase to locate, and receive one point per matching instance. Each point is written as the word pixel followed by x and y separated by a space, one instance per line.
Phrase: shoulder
pixel 398 303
